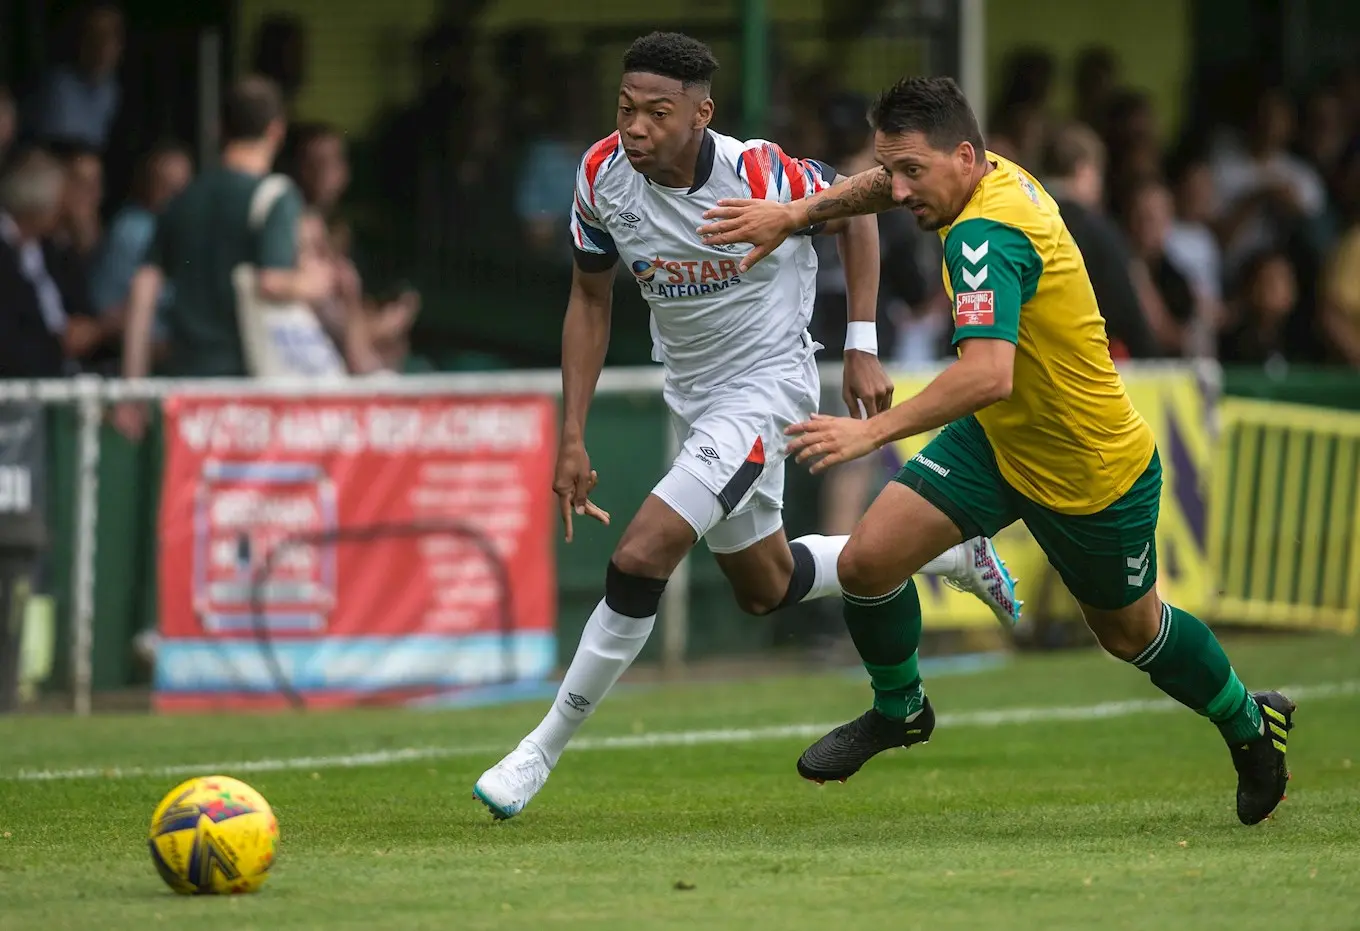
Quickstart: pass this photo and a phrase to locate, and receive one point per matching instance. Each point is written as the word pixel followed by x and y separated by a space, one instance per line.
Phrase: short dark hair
pixel 1185 160
pixel 1127 102
pixel 934 107
pixel 1028 76
pixel 250 106
pixel 301 137
pixel 1094 63
pixel 68 148
pixel 84 14
pixel 149 161
pixel 672 55
pixel 305 134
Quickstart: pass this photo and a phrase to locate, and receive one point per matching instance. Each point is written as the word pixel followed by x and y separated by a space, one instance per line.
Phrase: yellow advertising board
pixel 1284 537
pixel 1176 406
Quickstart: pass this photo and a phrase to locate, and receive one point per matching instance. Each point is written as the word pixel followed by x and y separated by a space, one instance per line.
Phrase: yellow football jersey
pixel 1068 437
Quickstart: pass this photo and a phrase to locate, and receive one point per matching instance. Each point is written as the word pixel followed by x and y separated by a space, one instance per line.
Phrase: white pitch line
pixel 990 718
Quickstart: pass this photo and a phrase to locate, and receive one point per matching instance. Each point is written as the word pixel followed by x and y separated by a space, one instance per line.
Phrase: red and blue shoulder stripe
pixel 765 166
pixel 599 156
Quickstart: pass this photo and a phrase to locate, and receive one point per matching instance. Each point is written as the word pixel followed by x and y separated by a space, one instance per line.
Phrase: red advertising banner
pixel 353 550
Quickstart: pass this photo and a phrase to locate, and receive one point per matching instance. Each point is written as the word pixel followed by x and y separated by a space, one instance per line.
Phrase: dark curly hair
pixel 672 55
pixel 934 107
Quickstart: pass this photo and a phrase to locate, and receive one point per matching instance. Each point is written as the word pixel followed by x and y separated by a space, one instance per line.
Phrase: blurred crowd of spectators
pixel 69 251
pixel 1239 240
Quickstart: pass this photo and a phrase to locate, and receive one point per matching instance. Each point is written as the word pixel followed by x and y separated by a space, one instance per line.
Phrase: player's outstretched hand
pixel 832 440
pixel 573 483
pixel 763 223
pixel 865 383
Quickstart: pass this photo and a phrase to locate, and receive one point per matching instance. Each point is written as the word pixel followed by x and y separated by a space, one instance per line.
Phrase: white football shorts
pixel 732 442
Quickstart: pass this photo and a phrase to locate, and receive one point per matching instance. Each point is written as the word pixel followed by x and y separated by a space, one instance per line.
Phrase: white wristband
pixel 862 335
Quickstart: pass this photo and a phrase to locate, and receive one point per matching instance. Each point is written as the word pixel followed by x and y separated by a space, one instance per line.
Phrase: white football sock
pixel 609 644
pixel 826 550
pixel 951 562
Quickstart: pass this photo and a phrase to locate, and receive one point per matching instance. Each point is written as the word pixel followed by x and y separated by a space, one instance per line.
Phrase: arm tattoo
pixel 865 193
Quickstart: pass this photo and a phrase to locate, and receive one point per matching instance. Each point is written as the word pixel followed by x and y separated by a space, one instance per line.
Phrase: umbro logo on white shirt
pixel 632 219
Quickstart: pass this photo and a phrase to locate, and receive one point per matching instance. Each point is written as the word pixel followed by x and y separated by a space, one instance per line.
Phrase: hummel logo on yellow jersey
pixel 973 255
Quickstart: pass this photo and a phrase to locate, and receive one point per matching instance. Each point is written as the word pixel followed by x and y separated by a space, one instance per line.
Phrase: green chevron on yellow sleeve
pixel 993 270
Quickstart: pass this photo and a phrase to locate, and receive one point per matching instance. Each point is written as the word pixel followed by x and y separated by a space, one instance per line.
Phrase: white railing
pixel 91 394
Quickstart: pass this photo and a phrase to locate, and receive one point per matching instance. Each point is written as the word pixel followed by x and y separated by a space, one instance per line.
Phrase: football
pixel 213 835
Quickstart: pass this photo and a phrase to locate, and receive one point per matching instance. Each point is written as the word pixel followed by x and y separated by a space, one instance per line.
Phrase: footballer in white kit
pixel 739 369
pixel 738 361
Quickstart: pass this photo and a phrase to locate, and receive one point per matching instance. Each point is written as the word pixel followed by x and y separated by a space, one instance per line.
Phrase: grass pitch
pixel 1027 810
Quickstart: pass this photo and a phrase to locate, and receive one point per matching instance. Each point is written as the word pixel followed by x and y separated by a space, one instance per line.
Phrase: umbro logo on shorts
pixel 708 452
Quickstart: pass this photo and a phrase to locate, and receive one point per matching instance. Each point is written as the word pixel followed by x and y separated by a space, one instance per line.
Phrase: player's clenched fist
pixel 573 483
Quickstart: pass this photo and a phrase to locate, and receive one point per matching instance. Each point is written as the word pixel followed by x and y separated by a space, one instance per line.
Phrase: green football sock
pixel 1186 662
pixel 887 630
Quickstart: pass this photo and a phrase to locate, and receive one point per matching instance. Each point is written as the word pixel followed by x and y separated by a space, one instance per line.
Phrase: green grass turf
pixel 1121 823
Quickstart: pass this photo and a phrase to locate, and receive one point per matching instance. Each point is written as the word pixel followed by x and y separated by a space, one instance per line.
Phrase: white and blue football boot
pixel 985 577
pixel 509 785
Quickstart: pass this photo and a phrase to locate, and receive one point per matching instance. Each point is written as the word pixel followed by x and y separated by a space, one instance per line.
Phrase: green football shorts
pixel 1107 559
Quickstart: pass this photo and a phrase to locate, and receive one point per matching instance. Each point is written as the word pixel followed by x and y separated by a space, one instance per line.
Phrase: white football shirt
pixel 710 324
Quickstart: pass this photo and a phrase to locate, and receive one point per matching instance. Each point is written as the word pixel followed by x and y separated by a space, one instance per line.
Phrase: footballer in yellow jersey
pixel 1037 428
pixel 1068 437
